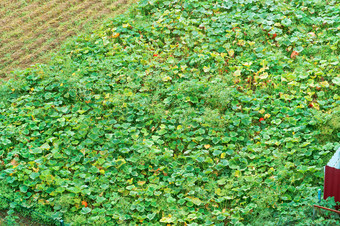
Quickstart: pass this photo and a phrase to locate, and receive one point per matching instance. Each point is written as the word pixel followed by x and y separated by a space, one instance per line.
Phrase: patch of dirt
pixel 22 221
pixel 35 28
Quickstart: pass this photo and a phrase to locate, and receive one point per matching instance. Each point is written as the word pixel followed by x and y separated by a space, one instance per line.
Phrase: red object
pixel 325 208
pixel 261 119
pixel 273 36
pixel 155 55
pixel 332 183
pixel 84 203
pixel 310 105
pixel 294 54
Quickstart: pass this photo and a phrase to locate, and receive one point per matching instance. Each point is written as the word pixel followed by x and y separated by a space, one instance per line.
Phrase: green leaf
pixel 85 210
pixel 23 188
pixel 45 146
pixel 34 175
pixel 151 216
pixel 195 200
pixel 336 81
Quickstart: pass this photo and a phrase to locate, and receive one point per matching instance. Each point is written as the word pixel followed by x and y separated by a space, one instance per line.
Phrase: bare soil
pixel 30 30
pixel 22 221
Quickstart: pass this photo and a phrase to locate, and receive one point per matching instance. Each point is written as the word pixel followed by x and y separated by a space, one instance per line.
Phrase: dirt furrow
pixel 15 44
pixel 36 13
pixel 16 7
pixel 53 24
pixel 40 42
pixel 43 22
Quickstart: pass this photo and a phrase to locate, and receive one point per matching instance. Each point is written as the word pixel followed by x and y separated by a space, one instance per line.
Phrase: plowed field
pixel 31 29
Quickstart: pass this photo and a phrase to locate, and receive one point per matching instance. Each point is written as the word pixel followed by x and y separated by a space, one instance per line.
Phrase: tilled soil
pixel 29 31
pixel 22 221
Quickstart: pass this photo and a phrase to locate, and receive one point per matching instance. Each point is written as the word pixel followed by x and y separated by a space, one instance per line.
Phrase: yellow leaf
pixel 247 64
pixel 218 192
pixel 237 73
pixel 223 155
pixel 231 53
pixel 83 151
pixel 237 173
pixel 267 116
pixel 115 35
pixel 166 78
pixel 141 183
pixel 262 69
pixel 61 84
pixel 262 111
pixel 241 42
pixel 207 146
pixel 167 219
pixel 130 181
pixel 263 76
pixel 324 84
pixel 251 43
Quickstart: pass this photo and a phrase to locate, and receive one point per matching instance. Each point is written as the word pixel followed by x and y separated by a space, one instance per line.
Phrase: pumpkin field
pixel 180 112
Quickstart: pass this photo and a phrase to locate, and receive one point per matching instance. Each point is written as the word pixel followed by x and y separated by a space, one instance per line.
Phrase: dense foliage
pixel 184 112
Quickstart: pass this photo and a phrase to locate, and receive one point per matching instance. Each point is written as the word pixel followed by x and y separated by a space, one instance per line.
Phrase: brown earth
pixel 22 221
pixel 29 30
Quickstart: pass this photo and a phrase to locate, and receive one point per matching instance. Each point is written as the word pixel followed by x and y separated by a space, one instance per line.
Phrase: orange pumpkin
pixel 84 203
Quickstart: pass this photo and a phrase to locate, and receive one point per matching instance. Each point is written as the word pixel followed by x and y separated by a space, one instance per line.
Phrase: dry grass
pixel 29 30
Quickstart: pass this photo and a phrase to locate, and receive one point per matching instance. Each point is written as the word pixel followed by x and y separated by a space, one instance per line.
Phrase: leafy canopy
pixel 196 112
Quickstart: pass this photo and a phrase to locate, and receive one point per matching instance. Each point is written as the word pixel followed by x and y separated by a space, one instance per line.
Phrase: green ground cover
pixel 180 112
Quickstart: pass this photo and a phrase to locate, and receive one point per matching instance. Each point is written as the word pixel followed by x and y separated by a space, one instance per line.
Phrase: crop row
pixel 28 34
